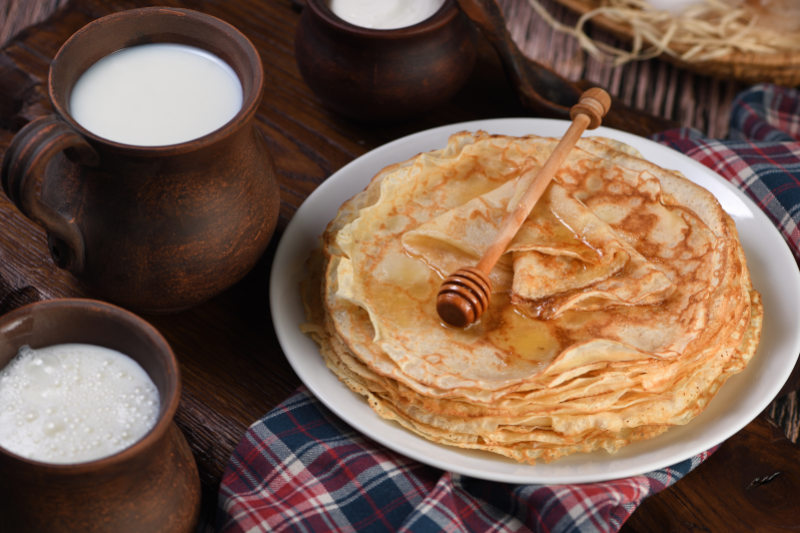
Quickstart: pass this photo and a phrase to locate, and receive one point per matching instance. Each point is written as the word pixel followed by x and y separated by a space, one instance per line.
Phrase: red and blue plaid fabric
pixel 300 468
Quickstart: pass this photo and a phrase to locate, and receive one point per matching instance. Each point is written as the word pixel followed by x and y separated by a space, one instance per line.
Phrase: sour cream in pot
pixel 384 14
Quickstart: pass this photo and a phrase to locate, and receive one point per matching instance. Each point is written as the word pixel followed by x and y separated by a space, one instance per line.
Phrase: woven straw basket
pixel 748 68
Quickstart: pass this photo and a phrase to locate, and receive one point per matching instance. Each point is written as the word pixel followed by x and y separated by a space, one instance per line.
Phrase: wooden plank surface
pixel 233 369
pixel 656 86
pixel 737 489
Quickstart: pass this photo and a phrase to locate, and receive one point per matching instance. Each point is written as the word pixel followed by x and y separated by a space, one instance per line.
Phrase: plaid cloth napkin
pixel 300 468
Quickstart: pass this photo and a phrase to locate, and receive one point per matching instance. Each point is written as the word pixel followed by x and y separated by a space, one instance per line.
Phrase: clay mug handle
pixel 24 163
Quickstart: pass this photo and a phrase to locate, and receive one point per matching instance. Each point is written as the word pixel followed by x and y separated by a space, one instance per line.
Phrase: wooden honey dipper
pixel 465 294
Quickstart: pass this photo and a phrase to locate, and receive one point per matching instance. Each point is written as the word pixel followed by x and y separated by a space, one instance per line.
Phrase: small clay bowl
pixel 373 75
pixel 152 486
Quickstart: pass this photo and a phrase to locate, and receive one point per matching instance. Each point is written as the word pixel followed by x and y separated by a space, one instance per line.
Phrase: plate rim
pixel 279 319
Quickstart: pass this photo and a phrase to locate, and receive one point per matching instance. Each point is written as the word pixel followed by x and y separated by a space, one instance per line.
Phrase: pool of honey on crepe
pixel 619 309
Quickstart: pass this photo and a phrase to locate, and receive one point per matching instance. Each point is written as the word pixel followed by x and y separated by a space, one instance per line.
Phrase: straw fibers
pixel 619 309
pixel 750 41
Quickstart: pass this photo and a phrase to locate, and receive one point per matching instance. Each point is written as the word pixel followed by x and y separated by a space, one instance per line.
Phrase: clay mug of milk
pixel 152 485
pixel 153 222
pixel 398 68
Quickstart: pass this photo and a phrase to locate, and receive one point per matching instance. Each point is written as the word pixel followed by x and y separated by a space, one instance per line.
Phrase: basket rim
pixel 749 67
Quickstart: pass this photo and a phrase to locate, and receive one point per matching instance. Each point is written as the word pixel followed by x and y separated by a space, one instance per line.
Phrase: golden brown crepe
pixel 618 310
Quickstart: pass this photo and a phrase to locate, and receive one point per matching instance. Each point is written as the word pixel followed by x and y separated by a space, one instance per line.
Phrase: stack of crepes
pixel 619 309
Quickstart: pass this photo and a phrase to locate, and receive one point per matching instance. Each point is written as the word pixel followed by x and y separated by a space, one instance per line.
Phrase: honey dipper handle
pixel 465 294
pixel 588 113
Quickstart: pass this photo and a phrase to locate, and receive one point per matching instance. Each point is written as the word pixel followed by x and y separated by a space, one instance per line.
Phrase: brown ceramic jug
pixel 375 75
pixel 153 228
pixel 151 486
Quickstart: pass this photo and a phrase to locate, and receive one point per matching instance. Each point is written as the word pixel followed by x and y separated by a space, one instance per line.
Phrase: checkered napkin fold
pixel 300 468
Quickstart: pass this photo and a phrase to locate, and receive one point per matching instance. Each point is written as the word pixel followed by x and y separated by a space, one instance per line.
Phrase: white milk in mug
pixel 73 403
pixel 384 14
pixel 156 94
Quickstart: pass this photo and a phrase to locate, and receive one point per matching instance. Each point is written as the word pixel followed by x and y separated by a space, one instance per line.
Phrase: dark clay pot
pixel 157 229
pixel 383 75
pixel 152 486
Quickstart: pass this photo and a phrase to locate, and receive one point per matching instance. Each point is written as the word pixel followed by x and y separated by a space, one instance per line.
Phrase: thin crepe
pixel 619 309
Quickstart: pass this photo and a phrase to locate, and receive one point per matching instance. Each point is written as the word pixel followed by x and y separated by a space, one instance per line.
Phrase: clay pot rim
pixel 245 114
pixel 443 16
pixel 153 436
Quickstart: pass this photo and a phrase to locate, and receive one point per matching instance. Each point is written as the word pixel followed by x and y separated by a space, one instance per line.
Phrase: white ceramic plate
pixel 744 396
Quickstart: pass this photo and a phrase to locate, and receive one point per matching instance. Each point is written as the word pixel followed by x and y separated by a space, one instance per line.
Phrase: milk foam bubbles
pixel 72 403
pixel 384 14
pixel 156 94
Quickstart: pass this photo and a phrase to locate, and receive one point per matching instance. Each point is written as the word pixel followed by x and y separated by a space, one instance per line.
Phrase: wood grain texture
pixel 16 15
pixel 785 411
pixel 655 86
pixel 232 366
pixel 737 489
pixel 540 88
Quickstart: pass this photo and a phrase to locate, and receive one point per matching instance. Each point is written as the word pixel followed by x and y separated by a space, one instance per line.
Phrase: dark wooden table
pixel 232 366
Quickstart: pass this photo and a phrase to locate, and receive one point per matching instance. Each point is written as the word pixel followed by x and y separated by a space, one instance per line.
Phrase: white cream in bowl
pixel 384 14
